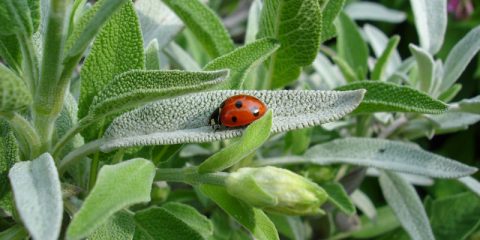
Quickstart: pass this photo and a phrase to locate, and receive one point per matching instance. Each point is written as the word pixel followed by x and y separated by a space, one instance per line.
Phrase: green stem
pixel 46 106
pixel 28 135
pixel 93 171
pixel 30 62
pixel 190 176
pixel 80 153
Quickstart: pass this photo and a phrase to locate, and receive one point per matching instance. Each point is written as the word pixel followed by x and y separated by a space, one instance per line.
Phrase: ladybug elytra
pixel 237 111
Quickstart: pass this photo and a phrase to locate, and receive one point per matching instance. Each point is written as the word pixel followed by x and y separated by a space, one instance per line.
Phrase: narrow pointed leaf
pixel 472 183
pixel 379 42
pixel 338 196
pixel 14 94
pixel 351 46
pixel 253 219
pixel 297 26
pixel 389 97
pixel 185 119
pixel 253 137
pixel 459 57
pixel 120 226
pixel 406 204
pixel 205 25
pixel 425 66
pixel 15 17
pixel 152 56
pixel 157 21
pixel 372 11
pixel 388 155
pixel 449 94
pixel 137 87
pixel 330 12
pixel 118 186
pixel 431 23
pixel 364 204
pixel 38 196
pixel 253 21
pixel 471 105
pixel 453 121
pixel 241 60
pixel 383 61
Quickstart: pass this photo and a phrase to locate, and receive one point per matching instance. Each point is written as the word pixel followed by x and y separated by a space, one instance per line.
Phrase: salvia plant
pixel 105 135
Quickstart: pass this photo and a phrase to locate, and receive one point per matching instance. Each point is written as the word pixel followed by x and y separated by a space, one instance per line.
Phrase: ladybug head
pixel 214 120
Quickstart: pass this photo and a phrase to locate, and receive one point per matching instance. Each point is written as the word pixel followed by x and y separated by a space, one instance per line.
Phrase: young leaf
pixel 14 94
pixel 389 97
pixel 379 42
pixel 157 22
pixel 379 71
pixel 8 154
pixel 449 94
pixel 152 55
pixel 241 60
pixel 455 217
pixel 118 186
pixel 191 217
pixel 119 226
pixel 253 21
pixel 135 87
pixel 185 119
pixel 253 137
pixel 459 57
pixel 297 26
pixel 472 183
pixel 329 14
pixel 383 154
pixel 252 219
pixel 159 223
pixel 406 204
pixel 453 121
pixel 340 198
pixel 66 120
pixel 38 196
pixel 425 66
pixel 372 11
pixel 431 23
pixel 364 204
pixel 205 24
pixel 351 46
pixel 471 105
pixel 15 17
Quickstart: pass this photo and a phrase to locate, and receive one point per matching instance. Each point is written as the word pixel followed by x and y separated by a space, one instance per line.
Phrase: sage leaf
pixel 159 223
pixel 425 66
pixel 388 155
pixel 372 11
pixel 431 23
pixel 453 121
pixel 184 119
pixel 38 196
pixel 191 217
pixel 472 183
pixel 471 105
pixel 181 57
pixel 205 25
pixel 253 137
pixel 152 56
pixel 380 69
pixel 339 197
pixel 389 97
pixel 379 42
pixel 118 186
pixel 15 17
pixel 291 227
pixel 135 87
pixel 157 22
pixel 15 232
pixel 383 223
pixel 455 217
pixel 119 226
pixel 67 120
pixel 449 94
pixel 10 52
pixel 459 57
pixel 297 26
pixel 406 205
pixel 253 219
pixel 8 154
pixel 34 6
pixel 241 60
pixel 330 12
pixel 89 25
pixel 253 21
pixel 14 94
pixel 351 46
pixel 364 204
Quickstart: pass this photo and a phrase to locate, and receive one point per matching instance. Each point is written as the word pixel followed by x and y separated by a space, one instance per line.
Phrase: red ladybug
pixel 237 111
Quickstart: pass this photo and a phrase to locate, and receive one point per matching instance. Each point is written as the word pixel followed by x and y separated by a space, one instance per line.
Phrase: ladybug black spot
pixel 234 119
pixel 238 104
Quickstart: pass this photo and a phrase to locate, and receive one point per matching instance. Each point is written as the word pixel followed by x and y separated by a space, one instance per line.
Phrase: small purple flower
pixel 461 8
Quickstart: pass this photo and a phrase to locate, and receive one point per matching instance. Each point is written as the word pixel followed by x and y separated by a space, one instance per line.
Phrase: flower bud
pixel 276 190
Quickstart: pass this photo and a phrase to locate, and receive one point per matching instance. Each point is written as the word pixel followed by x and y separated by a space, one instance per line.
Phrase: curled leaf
pixel 185 119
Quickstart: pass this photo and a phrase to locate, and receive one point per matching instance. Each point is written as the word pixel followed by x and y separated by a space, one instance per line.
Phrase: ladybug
pixel 237 111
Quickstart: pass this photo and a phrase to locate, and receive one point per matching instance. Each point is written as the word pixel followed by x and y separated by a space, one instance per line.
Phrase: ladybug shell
pixel 239 111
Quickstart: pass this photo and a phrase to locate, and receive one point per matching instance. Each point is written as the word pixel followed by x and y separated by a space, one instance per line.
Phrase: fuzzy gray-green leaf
pixel 14 94
pixel 241 60
pixel 15 17
pixel 135 87
pixel 205 25
pixel 152 56
pixel 431 23
pixel 405 202
pixel 38 196
pixel 297 26
pixel 389 97
pixel 425 66
pixel 118 186
pixel 184 119
pixel 471 105
pixel 120 226
pixel 386 154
